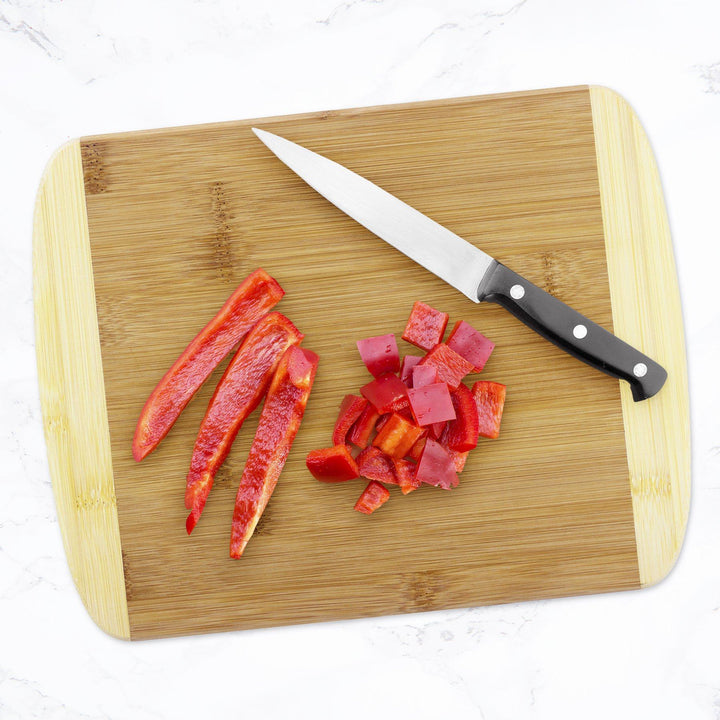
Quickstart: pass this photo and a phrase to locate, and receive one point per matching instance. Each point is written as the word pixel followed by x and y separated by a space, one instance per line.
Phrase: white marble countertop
pixel 76 67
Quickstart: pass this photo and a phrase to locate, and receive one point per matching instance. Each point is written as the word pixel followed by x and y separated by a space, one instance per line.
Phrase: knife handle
pixel 571 331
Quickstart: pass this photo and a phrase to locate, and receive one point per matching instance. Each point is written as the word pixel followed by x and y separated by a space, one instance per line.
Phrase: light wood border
pixel 72 391
pixel 647 314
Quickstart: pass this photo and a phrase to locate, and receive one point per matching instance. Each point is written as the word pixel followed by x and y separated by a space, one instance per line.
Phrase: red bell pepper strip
pixel 408 363
pixel 451 367
pixel 350 409
pixel 431 404
pixel 387 393
pixel 374 464
pixel 397 436
pixel 380 354
pixel 490 401
pixel 238 393
pixel 405 471
pixel 424 375
pixel 465 340
pixel 436 466
pixel 254 297
pixel 425 326
pixel 462 433
pixel 279 421
pixel 373 496
pixel 362 429
pixel 334 464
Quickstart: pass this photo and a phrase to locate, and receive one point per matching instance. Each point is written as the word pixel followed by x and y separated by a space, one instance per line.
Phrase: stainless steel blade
pixel 428 243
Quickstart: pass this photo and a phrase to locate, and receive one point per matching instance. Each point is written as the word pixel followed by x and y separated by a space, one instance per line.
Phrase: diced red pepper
pixel 380 424
pixel 279 421
pixel 374 464
pixel 334 464
pixel 431 404
pixel 451 367
pixel 238 393
pixel 436 467
pixel 350 410
pixel 437 429
pixel 462 433
pixel 373 496
pixel 490 401
pixel 465 340
pixel 397 436
pixel 387 393
pixel 362 429
pixel 380 354
pixel 408 363
pixel 425 327
pixel 459 459
pixel 423 375
pixel 252 299
pixel 416 450
pixel 405 473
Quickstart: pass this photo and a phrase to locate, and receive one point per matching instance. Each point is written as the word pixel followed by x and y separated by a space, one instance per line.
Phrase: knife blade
pixel 473 272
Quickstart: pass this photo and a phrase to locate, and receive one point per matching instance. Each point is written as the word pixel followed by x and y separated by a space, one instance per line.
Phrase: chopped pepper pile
pixel 268 364
pixel 416 422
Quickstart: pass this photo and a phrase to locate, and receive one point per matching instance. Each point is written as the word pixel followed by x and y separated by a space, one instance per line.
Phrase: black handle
pixel 571 331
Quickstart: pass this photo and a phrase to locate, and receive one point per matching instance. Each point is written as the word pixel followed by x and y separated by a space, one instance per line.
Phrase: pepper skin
pixel 332 465
pixel 362 429
pixel 253 298
pixel 373 496
pixel 425 326
pixel 351 408
pixel 462 433
pixel 490 401
pixel 238 393
pixel 279 422
pixel 398 435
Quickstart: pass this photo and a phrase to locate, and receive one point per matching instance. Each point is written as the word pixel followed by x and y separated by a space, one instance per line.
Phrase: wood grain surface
pixel 178 217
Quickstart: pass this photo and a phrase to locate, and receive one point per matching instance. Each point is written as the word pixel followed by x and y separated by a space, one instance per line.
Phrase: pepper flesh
pixel 374 464
pixel 387 393
pixel 431 404
pixel 397 436
pixel 279 421
pixel 373 496
pixel 425 326
pixel 451 367
pixel 490 401
pixel 465 340
pixel 252 299
pixel 238 393
pixel 362 429
pixel 408 363
pixel 405 471
pixel 334 464
pixel 350 410
pixel 436 467
pixel 462 433
pixel 380 354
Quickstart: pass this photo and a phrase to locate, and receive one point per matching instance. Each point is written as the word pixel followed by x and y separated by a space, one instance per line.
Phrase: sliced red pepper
pixel 425 326
pixel 431 404
pixel 254 297
pixel 350 410
pixel 387 393
pixel 238 393
pixel 380 354
pixel 416 450
pixel 436 466
pixel 490 401
pixel 451 367
pixel 459 459
pixel 462 433
pixel 423 375
pixel 405 471
pixel 373 496
pixel 408 363
pixel 397 436
pixel 334 464
pixel 279 421
pixel 374 464
pixel 362 429
pixel 465 340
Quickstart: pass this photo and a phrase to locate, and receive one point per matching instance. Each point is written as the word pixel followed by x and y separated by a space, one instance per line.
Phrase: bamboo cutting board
pixel 140 237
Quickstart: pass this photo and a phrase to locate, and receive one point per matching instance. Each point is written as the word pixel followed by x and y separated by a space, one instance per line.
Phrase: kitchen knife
pixel 467 268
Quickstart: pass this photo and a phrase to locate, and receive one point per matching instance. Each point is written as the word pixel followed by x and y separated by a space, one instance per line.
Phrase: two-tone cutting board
pixel 140 237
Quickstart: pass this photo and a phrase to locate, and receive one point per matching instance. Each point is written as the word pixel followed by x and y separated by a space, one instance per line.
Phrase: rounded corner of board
pixel 72 391
pixel 647 313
